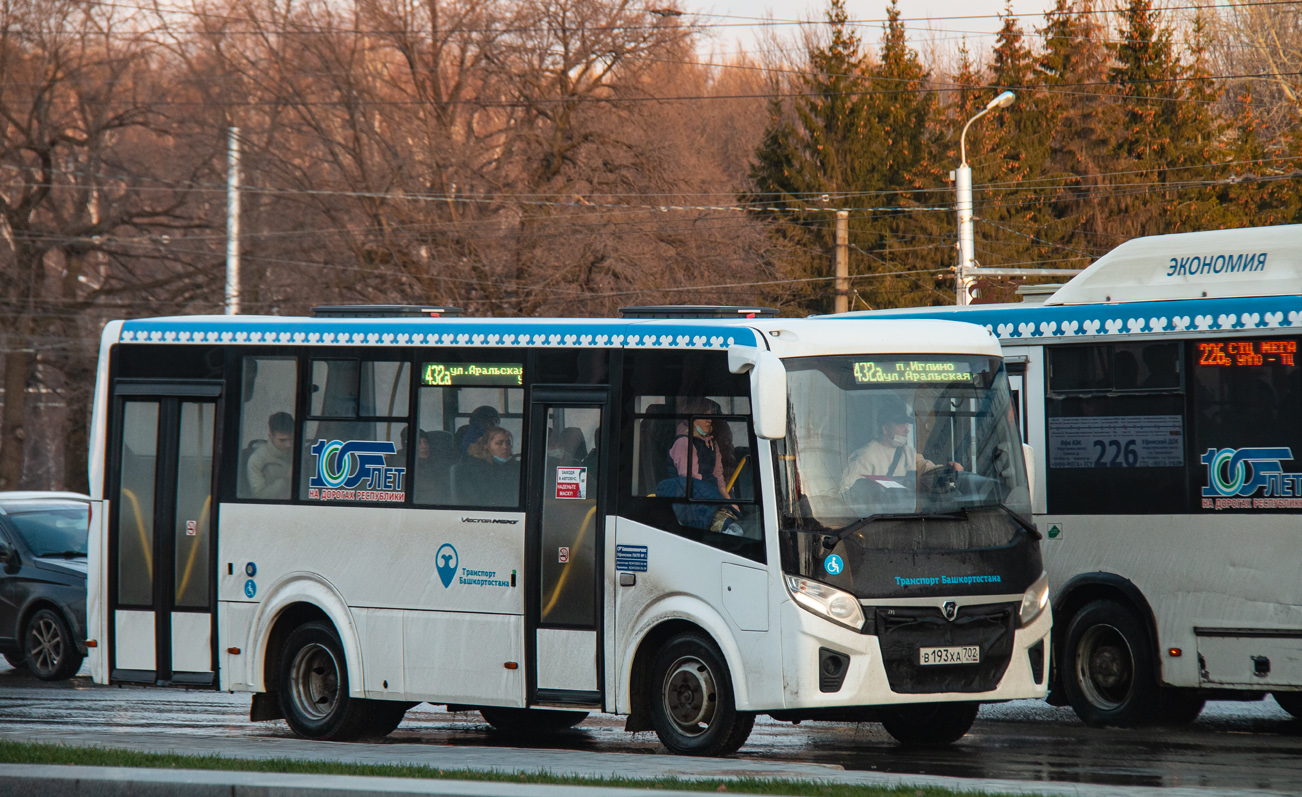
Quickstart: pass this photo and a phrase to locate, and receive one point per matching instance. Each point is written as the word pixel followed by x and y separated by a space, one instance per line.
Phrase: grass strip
pixel 12 752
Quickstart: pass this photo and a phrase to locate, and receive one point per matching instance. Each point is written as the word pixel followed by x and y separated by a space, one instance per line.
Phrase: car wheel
pixel 48 647
pixel 1290 702
pixel 313 688
pixel 16 660
pixel 1108 667
pixel 692 706
pixel 531 720
pixel 929 724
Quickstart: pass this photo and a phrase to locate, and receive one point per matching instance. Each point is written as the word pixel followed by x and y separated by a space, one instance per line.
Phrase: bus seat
pixel 242 487
pixel 462 484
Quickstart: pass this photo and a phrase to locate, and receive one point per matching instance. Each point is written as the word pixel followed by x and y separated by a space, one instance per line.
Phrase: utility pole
pixel 842 261
pixel 233 223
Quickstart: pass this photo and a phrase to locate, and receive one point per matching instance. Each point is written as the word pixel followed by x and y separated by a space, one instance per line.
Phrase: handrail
pixel 144 537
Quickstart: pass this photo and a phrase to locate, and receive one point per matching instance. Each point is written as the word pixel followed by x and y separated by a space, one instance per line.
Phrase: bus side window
pixel 691 465
pixel 1247 393
pixel 269 396
pixel 1116 429
pixel 468 446
pixel 356 402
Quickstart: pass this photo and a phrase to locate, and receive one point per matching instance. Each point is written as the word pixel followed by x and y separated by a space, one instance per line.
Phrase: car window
pixel 53 532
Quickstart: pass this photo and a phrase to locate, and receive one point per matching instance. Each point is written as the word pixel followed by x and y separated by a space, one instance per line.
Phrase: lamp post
pixel 963 182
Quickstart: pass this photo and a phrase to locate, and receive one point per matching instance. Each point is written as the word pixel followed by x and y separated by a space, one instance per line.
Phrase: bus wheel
pixel 1108 667
pixel 385 717
pixel 1179 706
pixel 929 724
pixel 1290 702
pixel 314 688
pixel 531 720
pixel 692 705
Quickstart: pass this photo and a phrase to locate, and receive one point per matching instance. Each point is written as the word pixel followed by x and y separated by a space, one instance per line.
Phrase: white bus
pixel 1162 393
pixel 655 516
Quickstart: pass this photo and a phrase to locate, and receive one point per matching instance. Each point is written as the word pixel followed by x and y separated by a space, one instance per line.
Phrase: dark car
pixel 43 581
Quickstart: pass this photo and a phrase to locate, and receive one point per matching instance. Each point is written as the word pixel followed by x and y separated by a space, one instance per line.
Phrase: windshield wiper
pixel 62 554
pixel 1022 521
pixel 958 514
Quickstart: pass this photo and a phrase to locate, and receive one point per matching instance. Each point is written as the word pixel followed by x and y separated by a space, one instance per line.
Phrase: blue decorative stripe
pixel 564 333
pixel 1017 322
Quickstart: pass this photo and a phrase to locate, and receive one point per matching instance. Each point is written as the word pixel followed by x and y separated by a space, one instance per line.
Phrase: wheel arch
pixel 296 599
pixel 660 621
pixel 1085 588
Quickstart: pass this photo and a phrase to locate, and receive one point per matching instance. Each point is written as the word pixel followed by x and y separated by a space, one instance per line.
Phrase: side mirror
pixel 768 388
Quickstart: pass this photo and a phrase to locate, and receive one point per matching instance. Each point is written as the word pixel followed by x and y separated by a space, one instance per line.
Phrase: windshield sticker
pixel 1235 476
pixel 355 470
pixel 936 580
pixel 1119 441
pixel 920 371
pixel 833 565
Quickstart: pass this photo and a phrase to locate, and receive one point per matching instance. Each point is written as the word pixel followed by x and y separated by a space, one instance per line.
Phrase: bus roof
pixel 1222 281
pixel 1216 264
pixel 786 336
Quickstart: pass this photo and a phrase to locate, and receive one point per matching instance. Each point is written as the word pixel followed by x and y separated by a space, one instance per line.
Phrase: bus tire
pixel 1108 667
pixel 386 716
pixel 692 706
pixel 1179 706
pixel 1290 702
pixel 313 687
pixel 929 724
pixel 530 720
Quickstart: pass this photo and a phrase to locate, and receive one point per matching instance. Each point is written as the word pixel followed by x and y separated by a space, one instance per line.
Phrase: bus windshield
pixel 891 436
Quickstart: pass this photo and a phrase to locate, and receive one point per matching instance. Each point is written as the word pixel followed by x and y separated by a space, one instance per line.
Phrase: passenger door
pixel 564 546
pixel 162 539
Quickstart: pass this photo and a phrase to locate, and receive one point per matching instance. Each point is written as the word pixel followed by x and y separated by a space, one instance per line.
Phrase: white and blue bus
pixel 680 516
pixel 1161 391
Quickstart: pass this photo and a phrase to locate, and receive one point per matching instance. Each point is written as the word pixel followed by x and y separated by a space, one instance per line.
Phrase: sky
pixel 928 21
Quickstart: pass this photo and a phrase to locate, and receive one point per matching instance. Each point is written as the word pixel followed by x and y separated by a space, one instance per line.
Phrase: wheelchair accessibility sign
pixel 833 565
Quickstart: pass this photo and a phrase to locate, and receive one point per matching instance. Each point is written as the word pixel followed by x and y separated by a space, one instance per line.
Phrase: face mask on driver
pixel 899 440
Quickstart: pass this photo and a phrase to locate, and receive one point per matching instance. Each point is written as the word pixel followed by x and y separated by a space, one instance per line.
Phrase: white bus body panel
pixel 1250 585
pixel 97 657
pixel 451 642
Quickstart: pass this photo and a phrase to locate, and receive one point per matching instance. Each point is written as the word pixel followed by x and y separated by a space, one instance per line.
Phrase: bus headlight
pixel 834 604
pixel 1035 599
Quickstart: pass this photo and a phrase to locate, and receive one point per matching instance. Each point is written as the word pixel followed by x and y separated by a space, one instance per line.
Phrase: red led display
pixel 1234 353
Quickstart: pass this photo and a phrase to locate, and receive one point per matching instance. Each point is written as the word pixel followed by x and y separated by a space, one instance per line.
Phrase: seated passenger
pixel 890 455
pixel 270 463
pixel 482 419
pixel 491 473
pixel 697 460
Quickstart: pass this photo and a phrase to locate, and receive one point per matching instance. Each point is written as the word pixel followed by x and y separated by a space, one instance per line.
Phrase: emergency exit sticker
pixel 571 482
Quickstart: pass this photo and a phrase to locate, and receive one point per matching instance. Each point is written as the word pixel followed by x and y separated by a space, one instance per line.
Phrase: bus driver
pixel 889 455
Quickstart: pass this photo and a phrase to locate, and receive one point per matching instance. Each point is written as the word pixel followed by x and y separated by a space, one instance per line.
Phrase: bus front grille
pixel 901 632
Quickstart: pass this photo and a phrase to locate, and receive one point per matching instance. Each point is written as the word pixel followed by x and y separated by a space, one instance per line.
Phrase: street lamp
pixel 963 182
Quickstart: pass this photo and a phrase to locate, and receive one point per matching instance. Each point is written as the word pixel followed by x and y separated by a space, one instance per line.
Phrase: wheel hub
pixel 690 696
pixel 45 646
pixel 1105 665
pixel 314 682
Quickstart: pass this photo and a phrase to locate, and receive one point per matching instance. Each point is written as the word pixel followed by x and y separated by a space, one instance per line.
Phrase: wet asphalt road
pixel 1231 746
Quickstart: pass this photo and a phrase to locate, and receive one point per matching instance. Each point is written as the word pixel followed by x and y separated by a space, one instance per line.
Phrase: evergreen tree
pixel 908 237
pixel 1082 117
pixel 1151 141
